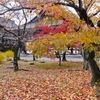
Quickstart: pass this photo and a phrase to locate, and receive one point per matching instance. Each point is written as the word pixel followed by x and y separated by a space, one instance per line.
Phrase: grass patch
pixel 49 65
pixel 55 65
pixel 46 65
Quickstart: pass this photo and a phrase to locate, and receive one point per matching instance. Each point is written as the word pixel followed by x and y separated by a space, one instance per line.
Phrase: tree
pixel 15 11
pixel 55 37
pixel 20 11
pixel 82 8
pixel 11 11
pixel 82 11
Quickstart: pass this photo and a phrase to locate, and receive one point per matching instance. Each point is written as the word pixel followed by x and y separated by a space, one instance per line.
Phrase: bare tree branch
pixel 70 1
pixel 90 5
pixel 15 9
pixel 23 33
pixel 80 4
pixel 68 4
pixel 95 13
pixel 15 35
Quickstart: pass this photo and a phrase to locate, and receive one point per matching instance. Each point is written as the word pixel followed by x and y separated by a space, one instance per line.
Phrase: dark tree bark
pixel 64 56
pixel 34 58
pixel 58 56
pixel 71 50
pixel 94 68
pixel 19 51
pixel 86 65
pixel 16 57
pixel 59 60
pixel 83 16
pixel 92 65
pixel 98 23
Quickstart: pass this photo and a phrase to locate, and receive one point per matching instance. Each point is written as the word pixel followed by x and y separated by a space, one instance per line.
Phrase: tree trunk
pixel 64 56
pixel 16 51
pixel 58 56
pixel 71 50
pixel 18 55
pixel 34 58
pixel 95 73
pixel 59 60
pixel 85 66
pixel 16 59
pixel 90 63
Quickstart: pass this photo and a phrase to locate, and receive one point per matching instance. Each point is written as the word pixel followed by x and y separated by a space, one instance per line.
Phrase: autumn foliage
pixel 9 54
pixel 2 57
pixel 62 27
pixel 57 37
pixel 59 84
pixel 59 31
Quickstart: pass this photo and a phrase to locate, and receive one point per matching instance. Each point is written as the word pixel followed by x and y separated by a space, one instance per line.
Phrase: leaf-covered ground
pixel 45 84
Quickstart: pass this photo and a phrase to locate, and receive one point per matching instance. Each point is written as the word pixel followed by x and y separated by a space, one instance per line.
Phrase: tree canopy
pixel 75 28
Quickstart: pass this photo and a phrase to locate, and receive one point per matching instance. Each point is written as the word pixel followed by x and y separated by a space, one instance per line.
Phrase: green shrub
pixel 9 54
